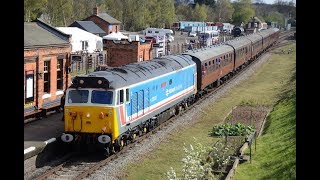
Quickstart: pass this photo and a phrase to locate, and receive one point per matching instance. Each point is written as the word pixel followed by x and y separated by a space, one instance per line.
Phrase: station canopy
pixel 115 36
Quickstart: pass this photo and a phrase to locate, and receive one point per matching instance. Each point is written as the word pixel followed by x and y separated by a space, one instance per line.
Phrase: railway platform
pixel 40 133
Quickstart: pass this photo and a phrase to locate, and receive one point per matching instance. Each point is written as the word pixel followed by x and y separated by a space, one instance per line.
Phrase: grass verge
pixel 275 156
pixel 265 87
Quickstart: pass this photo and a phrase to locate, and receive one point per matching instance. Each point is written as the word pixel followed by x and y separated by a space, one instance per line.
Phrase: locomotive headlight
pixel 101 115
pixel 81 81
pixel 103 139
pixel 99 81
pixel 66 137
pixel 88 115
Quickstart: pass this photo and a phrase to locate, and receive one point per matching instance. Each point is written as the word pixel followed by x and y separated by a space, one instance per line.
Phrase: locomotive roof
pixel 209 52
pixel 137 72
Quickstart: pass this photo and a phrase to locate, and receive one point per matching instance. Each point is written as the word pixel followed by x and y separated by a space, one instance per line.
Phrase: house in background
pixel 46 67
pixel 106 22
pixel 89 26
pixel 82 40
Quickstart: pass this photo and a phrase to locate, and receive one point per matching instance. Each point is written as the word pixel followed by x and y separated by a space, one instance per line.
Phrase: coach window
pixel 205 65
pixel 46 76
pixel 213 66
pixel 127 95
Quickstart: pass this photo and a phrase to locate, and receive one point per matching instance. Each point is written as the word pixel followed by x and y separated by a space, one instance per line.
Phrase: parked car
pixel 192 34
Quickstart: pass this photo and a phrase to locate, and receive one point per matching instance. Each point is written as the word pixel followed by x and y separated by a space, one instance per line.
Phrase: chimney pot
pixel 95 10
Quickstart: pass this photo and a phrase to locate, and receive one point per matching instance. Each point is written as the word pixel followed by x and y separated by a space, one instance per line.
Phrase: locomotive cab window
pixel 102 97
pixel 78 96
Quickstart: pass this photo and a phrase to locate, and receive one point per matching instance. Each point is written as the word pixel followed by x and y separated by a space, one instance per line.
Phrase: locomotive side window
pixel 121 96
pixel 170 81
pixel 127 95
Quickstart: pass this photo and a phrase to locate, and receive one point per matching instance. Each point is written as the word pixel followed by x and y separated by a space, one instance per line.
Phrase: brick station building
pixel 124 52
pixel 46 67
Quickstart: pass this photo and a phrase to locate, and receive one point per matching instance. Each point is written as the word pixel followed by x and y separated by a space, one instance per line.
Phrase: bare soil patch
pixel 249 115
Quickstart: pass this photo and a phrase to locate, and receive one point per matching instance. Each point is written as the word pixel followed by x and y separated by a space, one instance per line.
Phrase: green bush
pixel 229 129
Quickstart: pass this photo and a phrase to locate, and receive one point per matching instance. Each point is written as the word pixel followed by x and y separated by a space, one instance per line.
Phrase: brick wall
pixel 34 60
pixel 124 52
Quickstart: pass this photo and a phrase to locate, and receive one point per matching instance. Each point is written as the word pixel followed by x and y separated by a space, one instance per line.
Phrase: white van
pixel 153 32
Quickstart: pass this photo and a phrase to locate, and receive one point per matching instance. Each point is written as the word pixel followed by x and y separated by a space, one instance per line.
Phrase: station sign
pixel 157 45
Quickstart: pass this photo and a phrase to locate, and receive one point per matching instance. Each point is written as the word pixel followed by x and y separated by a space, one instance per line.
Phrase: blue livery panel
pixel 149 96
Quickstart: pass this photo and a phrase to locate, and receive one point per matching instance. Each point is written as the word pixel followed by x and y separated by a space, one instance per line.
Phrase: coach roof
pixel 209 52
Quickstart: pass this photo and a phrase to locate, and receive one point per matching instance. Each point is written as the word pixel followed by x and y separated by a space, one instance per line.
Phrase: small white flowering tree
pixel 195 164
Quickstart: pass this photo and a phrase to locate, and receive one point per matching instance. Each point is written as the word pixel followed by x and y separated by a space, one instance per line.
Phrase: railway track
pixel 77 166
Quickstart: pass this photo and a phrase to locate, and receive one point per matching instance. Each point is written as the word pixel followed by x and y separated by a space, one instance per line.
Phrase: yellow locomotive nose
pixel 89 119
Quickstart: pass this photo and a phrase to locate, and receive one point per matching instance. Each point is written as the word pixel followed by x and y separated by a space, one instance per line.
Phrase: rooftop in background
pixel 88 26
pixel 104 16
pixel 38 33
pixel 108 18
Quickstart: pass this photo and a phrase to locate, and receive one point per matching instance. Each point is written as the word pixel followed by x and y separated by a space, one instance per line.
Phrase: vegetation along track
pixel 80 167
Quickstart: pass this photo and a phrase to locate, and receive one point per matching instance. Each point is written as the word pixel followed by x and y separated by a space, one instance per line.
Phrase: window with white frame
pixel 46 76
pixel 60 74
pixel 29 86
pixel 84 45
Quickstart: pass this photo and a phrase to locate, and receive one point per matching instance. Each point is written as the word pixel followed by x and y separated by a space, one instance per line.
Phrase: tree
pixel 168 12
pixel 242 11
pixel 210 3
pixel 183 12
pixel 33 9
pixel 200 13
pixel 59 12
pixel 275 17
pixel 224 10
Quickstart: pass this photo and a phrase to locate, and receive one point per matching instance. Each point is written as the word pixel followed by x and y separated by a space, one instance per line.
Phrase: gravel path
pixel 113 170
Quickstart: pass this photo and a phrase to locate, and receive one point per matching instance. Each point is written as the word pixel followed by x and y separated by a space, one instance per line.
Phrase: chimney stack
pixel 95 10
